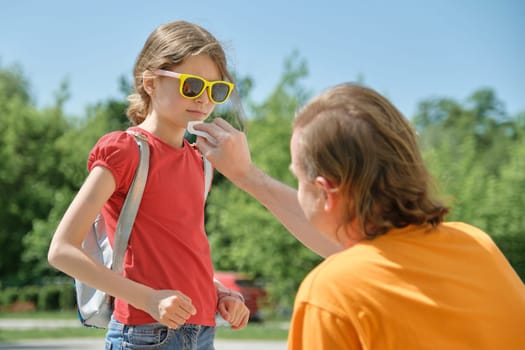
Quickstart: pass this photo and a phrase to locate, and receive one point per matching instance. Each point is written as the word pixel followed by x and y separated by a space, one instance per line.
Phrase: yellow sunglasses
pixel 192 86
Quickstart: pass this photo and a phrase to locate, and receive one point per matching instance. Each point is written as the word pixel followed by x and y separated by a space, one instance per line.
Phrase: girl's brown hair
pixel 357 139
pixel 168 46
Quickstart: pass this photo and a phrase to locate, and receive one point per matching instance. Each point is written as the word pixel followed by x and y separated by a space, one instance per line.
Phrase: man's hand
pixel 230 155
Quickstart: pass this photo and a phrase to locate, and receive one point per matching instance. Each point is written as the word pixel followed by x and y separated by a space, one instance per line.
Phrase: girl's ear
pixel 148 82
pixel 329 192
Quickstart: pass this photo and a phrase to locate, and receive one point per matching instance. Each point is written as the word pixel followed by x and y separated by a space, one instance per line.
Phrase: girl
pixel 166 297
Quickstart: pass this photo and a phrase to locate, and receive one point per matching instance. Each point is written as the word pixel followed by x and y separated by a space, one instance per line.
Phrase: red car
pixel 253 294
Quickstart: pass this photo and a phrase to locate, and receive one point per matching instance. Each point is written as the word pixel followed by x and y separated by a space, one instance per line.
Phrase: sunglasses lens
pixel 192 87
pixel 219 92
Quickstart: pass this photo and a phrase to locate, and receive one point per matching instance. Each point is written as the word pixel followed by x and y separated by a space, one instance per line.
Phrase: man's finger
pixel 224 124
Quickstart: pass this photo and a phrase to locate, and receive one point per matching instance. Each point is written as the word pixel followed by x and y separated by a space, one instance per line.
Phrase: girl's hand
pixel 170 307
pixel 233 310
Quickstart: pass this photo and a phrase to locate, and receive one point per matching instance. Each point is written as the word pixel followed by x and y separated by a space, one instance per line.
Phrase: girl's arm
pixel 66 254
pixel 231 156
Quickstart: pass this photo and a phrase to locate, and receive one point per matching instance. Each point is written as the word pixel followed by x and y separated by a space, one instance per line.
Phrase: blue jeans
pixel 159 337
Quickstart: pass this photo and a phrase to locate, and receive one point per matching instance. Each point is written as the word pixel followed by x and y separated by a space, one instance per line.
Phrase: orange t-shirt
pixel 412 288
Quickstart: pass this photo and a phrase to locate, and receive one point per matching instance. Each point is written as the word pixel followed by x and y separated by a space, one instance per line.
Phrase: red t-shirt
pixel 168 247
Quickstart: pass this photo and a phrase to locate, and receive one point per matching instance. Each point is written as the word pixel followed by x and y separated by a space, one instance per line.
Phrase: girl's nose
pixel 204 98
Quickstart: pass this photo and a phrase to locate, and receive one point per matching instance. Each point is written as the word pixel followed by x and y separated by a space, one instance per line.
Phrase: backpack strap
pixel 208 173
pixel 131 203
pixel 208 176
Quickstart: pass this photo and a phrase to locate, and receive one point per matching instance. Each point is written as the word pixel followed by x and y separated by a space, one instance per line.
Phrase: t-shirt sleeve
pixel 313 328
pixel 118 152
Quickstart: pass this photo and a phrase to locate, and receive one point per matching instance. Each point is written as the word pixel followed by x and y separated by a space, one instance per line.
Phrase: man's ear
pixel 329 192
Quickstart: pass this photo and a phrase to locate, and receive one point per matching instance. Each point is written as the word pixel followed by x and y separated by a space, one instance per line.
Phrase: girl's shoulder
pixel 116 139
pixel 118 152
pixel 118 142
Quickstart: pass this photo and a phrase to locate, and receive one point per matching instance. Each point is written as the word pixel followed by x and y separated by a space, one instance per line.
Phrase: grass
pixel 269 330
pixel 37 315
pixel 25 334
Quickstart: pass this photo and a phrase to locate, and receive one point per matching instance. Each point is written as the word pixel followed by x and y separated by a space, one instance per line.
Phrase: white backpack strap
pixel 131 204
pixel 208 176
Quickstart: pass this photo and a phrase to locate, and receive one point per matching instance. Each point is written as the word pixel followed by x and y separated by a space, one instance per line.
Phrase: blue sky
pixel 406 49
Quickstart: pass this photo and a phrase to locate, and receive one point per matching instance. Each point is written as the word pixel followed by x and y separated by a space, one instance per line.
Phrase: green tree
pixel 475 149
pixel 244 236
pixel 28 175
pixel 482 117
pixel 505 206
pixel 476 153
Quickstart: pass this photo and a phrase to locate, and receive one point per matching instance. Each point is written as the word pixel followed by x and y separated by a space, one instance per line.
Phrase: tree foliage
pixel 477 153
pixel 28 175
pixel 474 148
pixel 243 234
